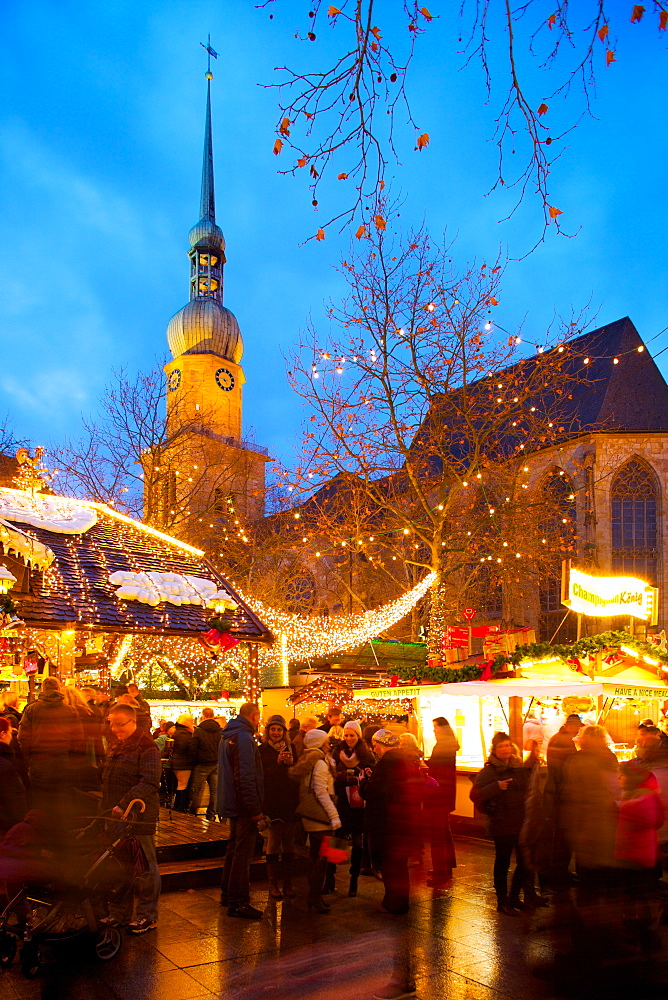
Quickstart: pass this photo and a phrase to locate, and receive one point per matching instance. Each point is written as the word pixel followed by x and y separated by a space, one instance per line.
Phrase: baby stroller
pixel 69 896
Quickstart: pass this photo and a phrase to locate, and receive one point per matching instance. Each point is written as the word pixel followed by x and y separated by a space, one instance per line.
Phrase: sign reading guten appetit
pixel 605 596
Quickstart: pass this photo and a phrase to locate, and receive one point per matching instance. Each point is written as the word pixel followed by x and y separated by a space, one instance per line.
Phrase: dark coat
pixel 240 775
pixel 12 716
pixel 443 769
pixel 504 810
pixel 50 727
pixel 181 749
pixel 391 816
pixel 132 770
pixel 13 805
pixel 590 788
pixel 352 820
pixel 281 793
pixel 143 714
pixel 205 742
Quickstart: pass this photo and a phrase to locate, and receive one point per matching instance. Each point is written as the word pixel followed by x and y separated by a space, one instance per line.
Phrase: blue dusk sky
pixel 101 128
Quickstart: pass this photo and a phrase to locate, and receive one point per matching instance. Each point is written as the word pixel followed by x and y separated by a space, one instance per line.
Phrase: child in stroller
pixel 57 897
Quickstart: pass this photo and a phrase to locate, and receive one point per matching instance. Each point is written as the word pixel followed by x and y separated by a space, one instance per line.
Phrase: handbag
pixel 311 808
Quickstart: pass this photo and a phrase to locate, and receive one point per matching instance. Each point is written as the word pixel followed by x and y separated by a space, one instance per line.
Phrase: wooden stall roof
pixel 75 591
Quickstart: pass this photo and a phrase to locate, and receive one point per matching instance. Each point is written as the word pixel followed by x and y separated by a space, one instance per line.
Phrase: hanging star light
pixel 310 637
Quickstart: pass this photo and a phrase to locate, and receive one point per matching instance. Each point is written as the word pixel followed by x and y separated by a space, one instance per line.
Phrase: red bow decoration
pixel 574 662
pixel 222 639
pixel 486 674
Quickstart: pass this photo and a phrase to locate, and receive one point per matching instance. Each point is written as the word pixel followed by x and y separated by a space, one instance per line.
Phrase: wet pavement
pixel 460 948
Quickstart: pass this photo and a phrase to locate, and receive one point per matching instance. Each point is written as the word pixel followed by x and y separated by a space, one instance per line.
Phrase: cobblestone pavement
pixel 460 948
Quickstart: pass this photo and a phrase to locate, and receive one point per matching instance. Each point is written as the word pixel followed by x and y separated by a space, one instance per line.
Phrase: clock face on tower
pixel 225 379
pixel 174 380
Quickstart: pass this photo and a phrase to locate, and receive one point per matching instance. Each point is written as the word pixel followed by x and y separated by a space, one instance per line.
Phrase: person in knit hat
pixel 316 780
pixel 351 759
pixel 281 796
pixel 391 819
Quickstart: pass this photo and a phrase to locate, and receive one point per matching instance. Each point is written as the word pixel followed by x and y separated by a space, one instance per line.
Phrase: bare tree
pixel 417 400
pixel 340 118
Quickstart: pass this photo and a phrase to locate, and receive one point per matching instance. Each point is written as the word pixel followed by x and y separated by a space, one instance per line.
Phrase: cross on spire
pixel 209 52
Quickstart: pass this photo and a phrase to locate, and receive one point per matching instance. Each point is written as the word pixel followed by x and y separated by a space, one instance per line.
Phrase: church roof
pixel 204 326
pixel 89 543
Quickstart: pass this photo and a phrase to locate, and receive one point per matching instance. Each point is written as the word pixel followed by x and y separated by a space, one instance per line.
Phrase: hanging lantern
pixel 7 580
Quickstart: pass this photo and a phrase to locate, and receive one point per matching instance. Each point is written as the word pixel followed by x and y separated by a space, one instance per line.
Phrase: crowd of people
pixel 577 818
pixel 357 795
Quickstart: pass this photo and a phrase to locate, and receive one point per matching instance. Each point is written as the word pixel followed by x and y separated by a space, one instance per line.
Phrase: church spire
pixel 208 200
pixel 207 243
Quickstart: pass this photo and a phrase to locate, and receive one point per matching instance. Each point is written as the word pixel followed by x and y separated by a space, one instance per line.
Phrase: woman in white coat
pixel 316 790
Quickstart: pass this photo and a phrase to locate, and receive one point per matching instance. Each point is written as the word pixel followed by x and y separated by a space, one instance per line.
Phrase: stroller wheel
pixel 108 941
pixel 7 950
pixel 31 959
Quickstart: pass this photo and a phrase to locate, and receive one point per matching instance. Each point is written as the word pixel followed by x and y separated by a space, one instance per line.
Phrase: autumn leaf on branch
pixel 542 109
pixel 320 235
pixel 663 20
pixel 333 11
pixel 554 212
pixel 423 141
pixel 551 21
pixel 609 57
pixel 278 146
pixel 342 177
pixel 360 232
pixel 637 13
pixel 379 222
pixel 285 127
pixel 426 14
pixel 603 32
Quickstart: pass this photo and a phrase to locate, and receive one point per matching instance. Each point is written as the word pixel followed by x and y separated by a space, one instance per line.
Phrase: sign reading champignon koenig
pixel 606 596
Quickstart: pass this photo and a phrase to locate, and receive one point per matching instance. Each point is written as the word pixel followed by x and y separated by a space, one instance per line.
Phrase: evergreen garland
pixel 588 646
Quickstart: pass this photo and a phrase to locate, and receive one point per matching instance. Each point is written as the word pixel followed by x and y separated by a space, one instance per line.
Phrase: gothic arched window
pixel 634 500
pixel 558 525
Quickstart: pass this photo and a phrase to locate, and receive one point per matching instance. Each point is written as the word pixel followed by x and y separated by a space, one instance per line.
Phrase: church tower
pixel 205 378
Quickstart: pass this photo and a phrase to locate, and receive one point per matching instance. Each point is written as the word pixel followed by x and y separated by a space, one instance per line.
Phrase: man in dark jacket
pixel 51 737
pixel 204 756
pixel 241 800
pixel 132 770
pixel 334 718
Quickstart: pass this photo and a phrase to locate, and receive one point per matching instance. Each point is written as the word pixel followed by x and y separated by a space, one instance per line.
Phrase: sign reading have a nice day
pixel 605 596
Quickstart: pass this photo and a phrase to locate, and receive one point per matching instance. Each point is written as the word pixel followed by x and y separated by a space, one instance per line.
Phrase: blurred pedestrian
pixel 440 801
pixel 240 799
pixel 281 796
pixel 641 815
pixel 144 709
pixel 351 759
pixel 13 802
pixel 317 810
pixel 391 823
pixel 652 756
pixel 298 742
pixel 84 766
pixel 51 737
pixel 500 791
pixel 204 759
pixel 591 789
pixel 132 771
pixel 182 759
pixel 293 729
pixel 334 717
pixel 554 836
pixel 9 708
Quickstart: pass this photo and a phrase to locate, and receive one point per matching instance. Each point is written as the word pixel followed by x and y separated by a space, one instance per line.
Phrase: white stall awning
pixel 523 687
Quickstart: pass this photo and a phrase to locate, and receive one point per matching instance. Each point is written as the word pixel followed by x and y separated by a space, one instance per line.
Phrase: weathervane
pixel 210 52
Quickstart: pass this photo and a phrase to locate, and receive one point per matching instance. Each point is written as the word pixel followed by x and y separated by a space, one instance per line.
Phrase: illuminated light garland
pixel 307 638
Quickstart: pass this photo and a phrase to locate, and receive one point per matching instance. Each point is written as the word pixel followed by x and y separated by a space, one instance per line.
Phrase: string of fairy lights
pixel 307 638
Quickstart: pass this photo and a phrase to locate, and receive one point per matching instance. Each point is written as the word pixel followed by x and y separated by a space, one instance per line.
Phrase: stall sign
pixel 396 692
pixel 623 691
pixel 606 596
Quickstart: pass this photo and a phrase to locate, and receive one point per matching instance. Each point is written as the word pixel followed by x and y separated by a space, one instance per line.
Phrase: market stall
pixel 92 594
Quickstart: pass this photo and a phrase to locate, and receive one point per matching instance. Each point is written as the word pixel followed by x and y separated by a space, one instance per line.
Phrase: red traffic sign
pixel 468 613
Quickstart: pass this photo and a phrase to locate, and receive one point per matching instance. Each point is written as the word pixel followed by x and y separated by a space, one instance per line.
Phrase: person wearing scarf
pixel 281 796
pixel 351 758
